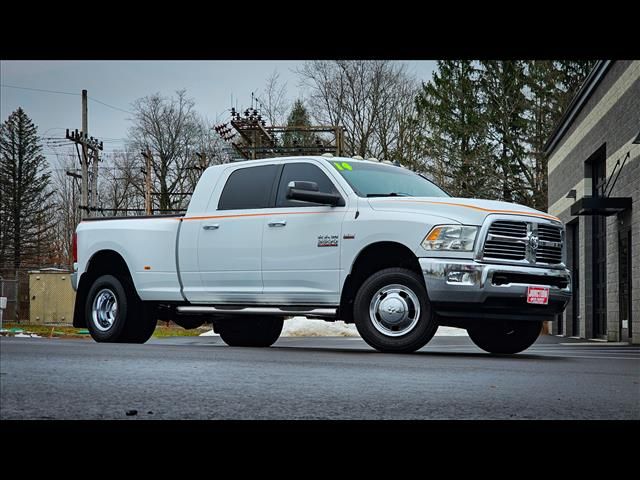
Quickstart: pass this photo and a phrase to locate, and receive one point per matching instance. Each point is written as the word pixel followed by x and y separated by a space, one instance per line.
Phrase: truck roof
pixel 265 161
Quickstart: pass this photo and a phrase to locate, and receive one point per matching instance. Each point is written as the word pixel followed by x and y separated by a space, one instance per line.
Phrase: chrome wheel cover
pixel 104 310
pixel 394 310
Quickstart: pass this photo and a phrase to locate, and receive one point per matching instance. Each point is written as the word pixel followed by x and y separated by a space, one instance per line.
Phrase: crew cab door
pixel 301 243
pixel 230 237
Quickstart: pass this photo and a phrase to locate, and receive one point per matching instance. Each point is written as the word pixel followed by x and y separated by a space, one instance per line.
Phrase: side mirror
pixel 309 192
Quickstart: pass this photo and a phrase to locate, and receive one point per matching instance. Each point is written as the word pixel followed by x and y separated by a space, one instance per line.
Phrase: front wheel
pixel 392 311
pixel 250 332
pixel 506 337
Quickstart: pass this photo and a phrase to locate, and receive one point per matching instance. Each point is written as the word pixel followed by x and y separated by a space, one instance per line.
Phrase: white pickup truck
pixel 327 238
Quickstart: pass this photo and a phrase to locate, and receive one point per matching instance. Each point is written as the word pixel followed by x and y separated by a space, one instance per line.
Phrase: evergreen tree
pixel 298 117
pixel 23 192
pixel 485 124
pixel 571 76
pixel 543 112
pixel 551 87
pixel 455 129
pixel 502 84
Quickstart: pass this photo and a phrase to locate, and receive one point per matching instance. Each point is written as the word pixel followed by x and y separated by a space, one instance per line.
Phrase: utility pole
pixel 94 180
pixel 85 156
pixel 88 143
pixel 339 141
pixel 202 161
pixel 147 180
pixel 92 144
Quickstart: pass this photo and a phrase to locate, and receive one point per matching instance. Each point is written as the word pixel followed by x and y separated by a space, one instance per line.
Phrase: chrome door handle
pixel 214 226
pixel 278 223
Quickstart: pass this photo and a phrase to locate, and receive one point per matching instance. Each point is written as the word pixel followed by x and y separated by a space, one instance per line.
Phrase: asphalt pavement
pixel 315 378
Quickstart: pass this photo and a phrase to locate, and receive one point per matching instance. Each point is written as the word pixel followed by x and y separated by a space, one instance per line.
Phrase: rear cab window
pixel 248 188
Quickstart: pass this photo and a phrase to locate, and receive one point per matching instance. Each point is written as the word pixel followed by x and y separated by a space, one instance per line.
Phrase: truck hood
pixel 468 211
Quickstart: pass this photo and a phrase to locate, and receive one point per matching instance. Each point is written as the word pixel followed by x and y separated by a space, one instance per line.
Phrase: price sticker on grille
pixel 538 295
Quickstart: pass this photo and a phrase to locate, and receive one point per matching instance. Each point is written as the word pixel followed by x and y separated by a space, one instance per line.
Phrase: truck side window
pixel 248 188
pixel 305 172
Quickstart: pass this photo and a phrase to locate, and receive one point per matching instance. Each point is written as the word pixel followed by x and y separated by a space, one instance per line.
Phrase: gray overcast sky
pixel 118 83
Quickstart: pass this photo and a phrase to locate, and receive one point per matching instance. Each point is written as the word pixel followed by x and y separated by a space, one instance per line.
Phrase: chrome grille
pixel 550 244
pixel 506 241
pixel 524 242
pixel 512 229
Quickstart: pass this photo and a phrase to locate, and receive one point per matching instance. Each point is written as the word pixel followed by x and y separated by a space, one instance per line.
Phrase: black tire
pixel 143 325
pixel 420 328
pixel 250 332
pixel 112 288
pixel 506 337
pixel 130 322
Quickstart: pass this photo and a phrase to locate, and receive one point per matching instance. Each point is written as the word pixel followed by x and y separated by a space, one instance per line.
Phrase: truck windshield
pixel 377 180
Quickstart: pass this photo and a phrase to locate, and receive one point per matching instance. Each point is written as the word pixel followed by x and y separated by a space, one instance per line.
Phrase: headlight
pixel 457 238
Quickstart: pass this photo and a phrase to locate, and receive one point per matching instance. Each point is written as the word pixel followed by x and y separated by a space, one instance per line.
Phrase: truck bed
pixel 148 247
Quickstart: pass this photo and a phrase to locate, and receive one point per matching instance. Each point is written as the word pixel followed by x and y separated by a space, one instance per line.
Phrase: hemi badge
pixel 349 236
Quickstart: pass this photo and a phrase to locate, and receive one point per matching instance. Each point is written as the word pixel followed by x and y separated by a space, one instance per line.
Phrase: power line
pixel 66 93
pixel 39 90
pixel 111 106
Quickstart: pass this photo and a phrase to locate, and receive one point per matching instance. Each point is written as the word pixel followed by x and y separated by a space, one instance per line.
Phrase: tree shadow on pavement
pixel 420 353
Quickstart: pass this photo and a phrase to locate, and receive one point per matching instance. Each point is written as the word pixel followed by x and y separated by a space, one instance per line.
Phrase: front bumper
pixel 466 289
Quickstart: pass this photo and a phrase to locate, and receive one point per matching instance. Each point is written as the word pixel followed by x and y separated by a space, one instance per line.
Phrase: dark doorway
pixel 574 233
pixel 598 181
pixel 624 282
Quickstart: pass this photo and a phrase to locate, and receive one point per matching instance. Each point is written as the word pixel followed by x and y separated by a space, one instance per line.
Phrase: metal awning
pixel 601 205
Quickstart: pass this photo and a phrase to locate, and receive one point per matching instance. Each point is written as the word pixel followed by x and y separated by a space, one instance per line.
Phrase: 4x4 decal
pixel 327 240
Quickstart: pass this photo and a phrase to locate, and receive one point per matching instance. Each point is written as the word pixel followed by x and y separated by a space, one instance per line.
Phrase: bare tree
pixel 372 100
pixel 207 149
pixel 273 100
pixel 167 126
pixel 121 182
pixel 65 211
pixel 398 125
pixel 325 89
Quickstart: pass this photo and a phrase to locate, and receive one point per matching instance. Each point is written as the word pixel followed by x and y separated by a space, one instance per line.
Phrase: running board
pixel 320 312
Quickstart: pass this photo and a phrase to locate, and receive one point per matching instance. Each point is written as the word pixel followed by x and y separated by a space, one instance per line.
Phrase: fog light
pixel 455 277
pixel 461 278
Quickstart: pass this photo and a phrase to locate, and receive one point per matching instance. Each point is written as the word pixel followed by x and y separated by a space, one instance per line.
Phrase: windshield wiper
pixel 391 194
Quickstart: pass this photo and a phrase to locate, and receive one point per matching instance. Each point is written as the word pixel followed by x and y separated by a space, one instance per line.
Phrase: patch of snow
pixel 209 333
pixel 304 327
pixel 27 335
pixel 451 332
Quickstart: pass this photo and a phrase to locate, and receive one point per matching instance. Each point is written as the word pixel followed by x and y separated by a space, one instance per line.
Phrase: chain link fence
pixel 11 285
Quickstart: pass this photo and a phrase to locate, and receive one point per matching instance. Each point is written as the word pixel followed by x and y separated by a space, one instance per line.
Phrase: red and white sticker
pixel 538 295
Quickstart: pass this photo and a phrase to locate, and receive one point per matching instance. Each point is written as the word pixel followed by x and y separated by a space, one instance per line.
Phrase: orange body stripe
pixel 543 215
pixel 209 217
